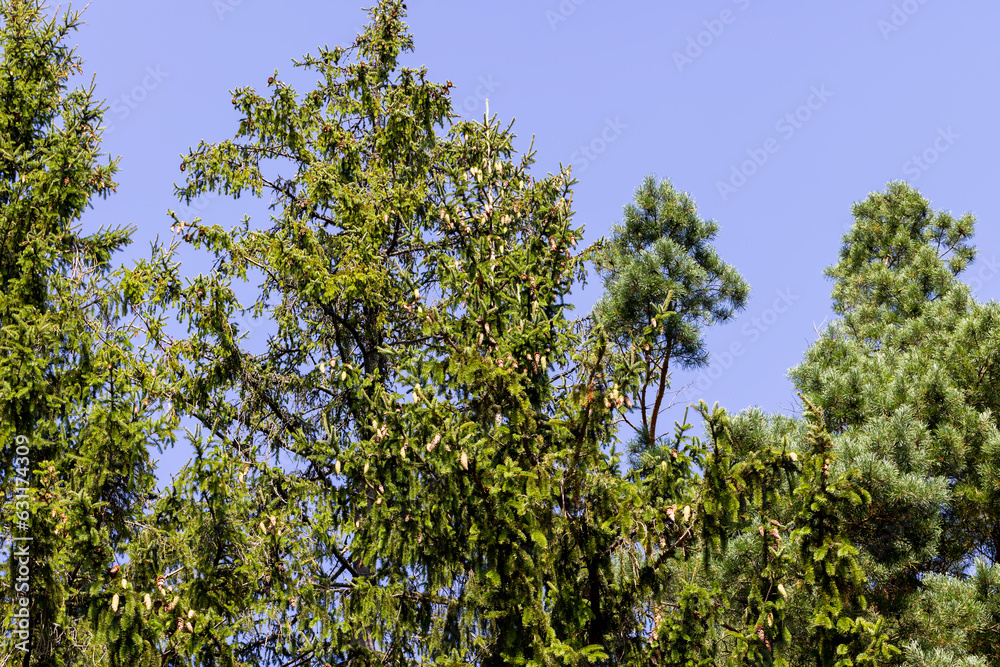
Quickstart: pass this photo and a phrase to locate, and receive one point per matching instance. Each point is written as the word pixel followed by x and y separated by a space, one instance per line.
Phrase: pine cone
pixel 762 636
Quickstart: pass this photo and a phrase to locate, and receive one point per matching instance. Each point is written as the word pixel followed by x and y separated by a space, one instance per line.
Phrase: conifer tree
pixel 902 378
pixel 418 464
pixel 663 281
pixel 416 467
pixel 77 398
pixel 397 477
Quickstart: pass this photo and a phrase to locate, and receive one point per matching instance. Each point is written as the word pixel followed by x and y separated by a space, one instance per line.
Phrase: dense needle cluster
pixel 419 466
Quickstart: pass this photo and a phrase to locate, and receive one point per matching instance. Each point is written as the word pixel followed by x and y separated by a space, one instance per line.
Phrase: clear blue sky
pixel 832 100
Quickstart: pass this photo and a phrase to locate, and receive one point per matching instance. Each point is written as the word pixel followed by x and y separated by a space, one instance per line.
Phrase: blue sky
pixel 775 117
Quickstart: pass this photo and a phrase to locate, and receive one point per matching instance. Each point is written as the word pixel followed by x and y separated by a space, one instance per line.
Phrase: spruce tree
pixel 418 464
pixel 398 477
pixel 77 397
pixel 416 467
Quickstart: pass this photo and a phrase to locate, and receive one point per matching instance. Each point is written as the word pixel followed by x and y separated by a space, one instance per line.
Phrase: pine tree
pixel 903 380
pixel 77 400
pixel 418 464
pixel 663 281
pixel 416 467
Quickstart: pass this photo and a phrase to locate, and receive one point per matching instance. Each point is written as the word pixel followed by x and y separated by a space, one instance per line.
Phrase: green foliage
pixel 73 383
pixel 417 463
pixel 663 281
pixel 982 636
pixel 831 566
pixel 397 476
pixel 892 261
pixel 947 614
pixel 902 381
